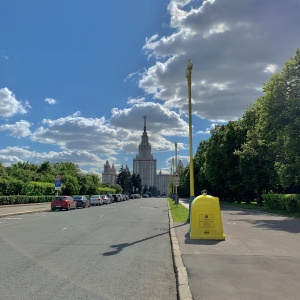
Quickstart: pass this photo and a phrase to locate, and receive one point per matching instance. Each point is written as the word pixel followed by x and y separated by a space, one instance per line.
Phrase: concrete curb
pixel 183 288
pixel 24 213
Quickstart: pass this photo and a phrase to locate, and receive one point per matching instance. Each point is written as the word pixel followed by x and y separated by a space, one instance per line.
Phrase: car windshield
pixel 59 198
pixel 77 198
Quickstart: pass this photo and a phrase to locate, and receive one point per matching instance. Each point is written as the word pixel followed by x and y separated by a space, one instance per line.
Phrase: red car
pixel 63 202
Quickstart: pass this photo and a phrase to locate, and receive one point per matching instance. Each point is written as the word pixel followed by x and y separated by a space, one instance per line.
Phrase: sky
pixel 77 76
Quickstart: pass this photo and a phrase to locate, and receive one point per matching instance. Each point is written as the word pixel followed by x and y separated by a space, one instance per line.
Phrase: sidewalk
pixel 20 209
pixel 259 258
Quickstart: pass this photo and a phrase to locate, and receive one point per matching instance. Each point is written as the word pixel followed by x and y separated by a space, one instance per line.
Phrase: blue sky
pixel 77 77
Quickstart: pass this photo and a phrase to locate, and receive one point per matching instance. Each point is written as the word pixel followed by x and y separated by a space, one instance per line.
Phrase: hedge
pixel 285 202
pixel 20 199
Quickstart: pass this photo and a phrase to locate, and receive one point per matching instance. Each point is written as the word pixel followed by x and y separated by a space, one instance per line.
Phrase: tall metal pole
pixel 173 170
pixel 176 196
pixel 189 82
pixel 176 166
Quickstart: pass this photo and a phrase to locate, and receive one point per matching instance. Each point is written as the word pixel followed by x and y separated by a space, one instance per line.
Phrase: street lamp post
pixel 176 195
pixel 189 82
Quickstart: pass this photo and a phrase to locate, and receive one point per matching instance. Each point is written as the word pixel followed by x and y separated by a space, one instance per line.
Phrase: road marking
pixel 101 216
pixel 13 218
pixel 65 228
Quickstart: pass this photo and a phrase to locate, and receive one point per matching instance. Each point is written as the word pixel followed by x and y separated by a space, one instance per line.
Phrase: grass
pixel 179 212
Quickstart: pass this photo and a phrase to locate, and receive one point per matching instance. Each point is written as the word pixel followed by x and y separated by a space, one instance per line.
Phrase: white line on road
pixel 65 228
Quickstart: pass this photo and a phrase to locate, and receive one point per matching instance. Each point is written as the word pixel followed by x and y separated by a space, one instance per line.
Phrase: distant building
pixel 163 182
pixel 109 174
pixel 144 163
pixel 180 167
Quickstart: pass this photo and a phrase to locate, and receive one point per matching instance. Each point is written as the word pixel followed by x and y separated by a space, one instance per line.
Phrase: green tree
pixel 124 179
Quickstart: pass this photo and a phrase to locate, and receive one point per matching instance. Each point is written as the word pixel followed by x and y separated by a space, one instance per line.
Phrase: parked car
pixel 96 200
pixel 116 198
pixel 63 202
pixel 82 201
pixel 106 199
pixel 111 197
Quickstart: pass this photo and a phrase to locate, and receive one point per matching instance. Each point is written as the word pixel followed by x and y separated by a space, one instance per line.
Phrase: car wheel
pixel 53 209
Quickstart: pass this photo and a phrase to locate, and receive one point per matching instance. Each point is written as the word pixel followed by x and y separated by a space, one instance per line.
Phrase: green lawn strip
pixel 254 206
pixel 179 212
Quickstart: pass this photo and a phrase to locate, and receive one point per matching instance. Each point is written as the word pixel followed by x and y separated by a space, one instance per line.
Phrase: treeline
pixel 133 183
pixel 24 178
pixel 258 153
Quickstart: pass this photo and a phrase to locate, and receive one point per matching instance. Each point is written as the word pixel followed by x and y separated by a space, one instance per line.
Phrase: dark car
pixel 116 198
pixel 63 202
pixel 82 201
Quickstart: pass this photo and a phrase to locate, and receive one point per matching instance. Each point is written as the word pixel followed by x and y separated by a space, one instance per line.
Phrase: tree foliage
pixel 258 152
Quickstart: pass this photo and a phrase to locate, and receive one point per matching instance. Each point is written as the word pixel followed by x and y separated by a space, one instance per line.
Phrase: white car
pixel 106 199
pixel 96 200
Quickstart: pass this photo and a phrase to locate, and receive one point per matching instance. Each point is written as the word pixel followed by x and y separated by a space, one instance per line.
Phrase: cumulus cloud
pixel 235 47
pixel 207 130
pixel 10 106
pixel 17 130
pixel 135 100
pixel 50 101
pixel 11 155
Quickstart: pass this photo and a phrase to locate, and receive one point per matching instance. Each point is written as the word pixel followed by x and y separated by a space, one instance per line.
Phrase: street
pixel 117 251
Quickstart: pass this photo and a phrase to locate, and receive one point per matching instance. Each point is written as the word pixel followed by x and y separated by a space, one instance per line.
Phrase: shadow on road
pixel 267 221
pixel 119 247
pixel 288 225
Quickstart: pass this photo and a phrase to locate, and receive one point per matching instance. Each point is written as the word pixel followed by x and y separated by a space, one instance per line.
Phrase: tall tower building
pixel 144 163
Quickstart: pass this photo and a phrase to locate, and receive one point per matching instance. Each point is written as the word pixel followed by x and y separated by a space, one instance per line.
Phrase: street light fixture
pixel 189 82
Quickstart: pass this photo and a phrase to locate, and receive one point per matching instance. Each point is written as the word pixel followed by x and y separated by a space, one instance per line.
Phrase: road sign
pixel 176 178
pixel 57 185
pixel 57 178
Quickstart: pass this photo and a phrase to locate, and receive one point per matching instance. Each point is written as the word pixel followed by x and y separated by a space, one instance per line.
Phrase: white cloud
pixel 207 130
pixel 135 100
pixel 11 155
pixel 10 106
pixel 270 69
pixel 50 101
pixel 18 130
pixel 235 47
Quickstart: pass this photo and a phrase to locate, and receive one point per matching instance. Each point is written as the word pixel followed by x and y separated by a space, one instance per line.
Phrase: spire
pixel 145 117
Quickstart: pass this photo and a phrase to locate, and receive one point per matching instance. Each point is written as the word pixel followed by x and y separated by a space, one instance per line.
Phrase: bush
pixel 19 199
pixel 288 203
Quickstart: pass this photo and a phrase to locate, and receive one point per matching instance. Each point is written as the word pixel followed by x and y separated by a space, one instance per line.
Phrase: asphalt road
pixel 116 251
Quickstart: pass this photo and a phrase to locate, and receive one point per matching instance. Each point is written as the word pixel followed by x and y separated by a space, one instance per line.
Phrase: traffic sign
pixel 57 185
pixel 58 178
pixel 176 178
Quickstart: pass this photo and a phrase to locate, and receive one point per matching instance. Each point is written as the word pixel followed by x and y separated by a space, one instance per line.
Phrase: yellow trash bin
pixel 206 220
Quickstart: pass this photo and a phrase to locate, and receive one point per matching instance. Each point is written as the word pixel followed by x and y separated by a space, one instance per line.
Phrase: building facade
pixel 109 174
pixel 144 163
